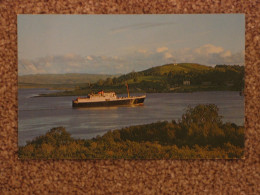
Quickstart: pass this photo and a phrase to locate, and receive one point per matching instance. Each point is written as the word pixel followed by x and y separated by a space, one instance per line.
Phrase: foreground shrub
pixel 199 134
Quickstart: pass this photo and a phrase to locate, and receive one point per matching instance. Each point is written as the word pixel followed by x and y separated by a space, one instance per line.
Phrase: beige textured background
pixel 126 176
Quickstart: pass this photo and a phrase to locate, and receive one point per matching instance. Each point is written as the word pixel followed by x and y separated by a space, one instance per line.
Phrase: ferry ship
pixel 102 99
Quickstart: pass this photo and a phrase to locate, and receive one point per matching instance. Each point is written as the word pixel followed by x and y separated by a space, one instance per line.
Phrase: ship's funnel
pixel 127 89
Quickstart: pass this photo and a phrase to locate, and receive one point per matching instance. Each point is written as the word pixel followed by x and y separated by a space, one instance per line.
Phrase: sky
pixel 119 44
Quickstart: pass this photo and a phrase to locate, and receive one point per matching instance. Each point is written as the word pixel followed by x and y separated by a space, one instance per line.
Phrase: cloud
pixel 48 64
pixel 89 58
pixel 69 56
pixel 208 49
pixel 137 60
pixel 226 54
pixel 29 67
pixel 168 55
pixel 209 54
pixel 142 51
pixel 161 49
pixel 139 26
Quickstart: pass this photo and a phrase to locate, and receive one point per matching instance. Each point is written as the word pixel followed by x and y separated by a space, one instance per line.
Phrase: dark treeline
pixel 200 133
pixel 221 75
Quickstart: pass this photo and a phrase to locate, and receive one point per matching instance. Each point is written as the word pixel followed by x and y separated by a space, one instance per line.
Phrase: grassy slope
pixel 186 67
pixel 165 69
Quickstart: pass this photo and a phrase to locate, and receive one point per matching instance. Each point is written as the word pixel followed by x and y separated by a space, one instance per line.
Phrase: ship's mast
pixel 127 89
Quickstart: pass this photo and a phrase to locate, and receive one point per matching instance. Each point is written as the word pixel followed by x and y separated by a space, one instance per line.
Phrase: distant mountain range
pixel 70 78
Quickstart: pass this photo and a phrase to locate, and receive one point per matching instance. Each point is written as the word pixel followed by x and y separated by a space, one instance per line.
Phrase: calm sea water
pixel 38 115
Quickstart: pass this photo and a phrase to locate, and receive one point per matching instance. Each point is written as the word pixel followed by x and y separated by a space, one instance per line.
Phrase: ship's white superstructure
pixel 107 99
pixel 101 96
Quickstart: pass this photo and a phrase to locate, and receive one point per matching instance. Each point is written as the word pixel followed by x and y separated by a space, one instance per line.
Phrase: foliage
pixel 200 133
pixel 166 78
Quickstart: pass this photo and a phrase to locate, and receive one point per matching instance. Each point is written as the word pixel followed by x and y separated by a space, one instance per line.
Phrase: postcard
pixel 131 86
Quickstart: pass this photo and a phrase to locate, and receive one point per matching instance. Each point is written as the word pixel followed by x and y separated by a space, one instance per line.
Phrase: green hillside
pixel 184 77
pixel 186 67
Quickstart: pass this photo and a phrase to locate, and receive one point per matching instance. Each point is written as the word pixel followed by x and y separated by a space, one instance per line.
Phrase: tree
pixel 56 136
pixel 100 82
pixel 201 123
pixel 109 81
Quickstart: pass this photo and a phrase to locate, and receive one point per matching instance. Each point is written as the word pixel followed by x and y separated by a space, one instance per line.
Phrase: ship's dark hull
pixel 120 102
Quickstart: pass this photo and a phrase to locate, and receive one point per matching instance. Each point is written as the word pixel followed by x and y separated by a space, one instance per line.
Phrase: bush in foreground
pixel 199 134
